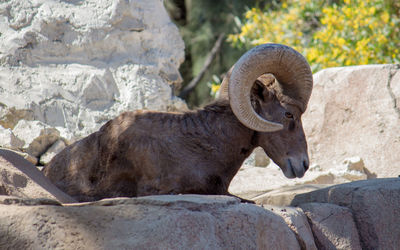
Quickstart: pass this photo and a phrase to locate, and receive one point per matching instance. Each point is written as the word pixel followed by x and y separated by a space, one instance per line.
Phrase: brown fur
pixel 146 153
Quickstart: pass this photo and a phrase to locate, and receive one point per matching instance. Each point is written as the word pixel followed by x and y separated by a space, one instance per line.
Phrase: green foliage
pixel 329 34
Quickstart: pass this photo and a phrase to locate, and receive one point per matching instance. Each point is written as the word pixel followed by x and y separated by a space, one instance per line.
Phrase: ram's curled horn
pixel 288 66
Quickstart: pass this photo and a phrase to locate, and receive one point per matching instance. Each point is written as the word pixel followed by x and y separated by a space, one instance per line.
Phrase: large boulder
pixel 354 111
pixel 374 204
pixel 153 222
pixel 77 64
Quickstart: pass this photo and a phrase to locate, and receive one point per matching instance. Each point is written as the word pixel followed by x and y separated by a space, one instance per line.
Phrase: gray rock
pixel 375 206
pixel 333 226
pixel 298 222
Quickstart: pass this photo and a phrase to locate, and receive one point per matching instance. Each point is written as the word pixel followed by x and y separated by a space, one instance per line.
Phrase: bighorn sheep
pixel 145 153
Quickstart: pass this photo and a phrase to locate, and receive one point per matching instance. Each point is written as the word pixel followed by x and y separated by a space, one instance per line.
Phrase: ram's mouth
pixel 292 171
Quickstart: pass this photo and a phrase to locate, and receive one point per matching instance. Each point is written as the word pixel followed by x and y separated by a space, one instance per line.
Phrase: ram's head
pixel 268 89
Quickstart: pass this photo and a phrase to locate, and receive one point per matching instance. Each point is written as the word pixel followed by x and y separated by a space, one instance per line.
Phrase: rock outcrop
pixel 70 66
pixel 354 111
pixel 154 222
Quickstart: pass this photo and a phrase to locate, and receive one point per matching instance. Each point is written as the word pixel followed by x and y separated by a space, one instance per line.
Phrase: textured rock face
pixel 76 64
pixel 375 207
pixel 298 223
pixel 154 222
pixel 333 226
pixel 354 111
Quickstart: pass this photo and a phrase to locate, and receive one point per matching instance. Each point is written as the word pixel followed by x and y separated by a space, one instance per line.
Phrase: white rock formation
pixel 37 136
pixel 9 140
pixel 76 64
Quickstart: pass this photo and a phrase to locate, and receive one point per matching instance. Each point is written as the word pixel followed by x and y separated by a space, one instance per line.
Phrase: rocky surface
pixel 354 111
pixel 70 66
pixel 374 204
pixel 13 182
pixel 155 222
pixel 262 182
pixel 347 216
pixel 333 226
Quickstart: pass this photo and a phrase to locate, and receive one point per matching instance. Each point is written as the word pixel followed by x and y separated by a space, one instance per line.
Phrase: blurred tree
pixel 200 24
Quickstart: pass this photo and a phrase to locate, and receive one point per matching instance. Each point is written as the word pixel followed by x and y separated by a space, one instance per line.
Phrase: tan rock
pixel 260 158
pixel 20 178
pixel 155 222
pixel 354 111
pixel 333 226
pixel 284 196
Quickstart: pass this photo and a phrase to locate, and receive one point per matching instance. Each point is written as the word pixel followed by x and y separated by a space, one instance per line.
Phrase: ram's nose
pixel 296 167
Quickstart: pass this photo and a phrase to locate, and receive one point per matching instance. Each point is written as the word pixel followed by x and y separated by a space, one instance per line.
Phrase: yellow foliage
pixel 351 32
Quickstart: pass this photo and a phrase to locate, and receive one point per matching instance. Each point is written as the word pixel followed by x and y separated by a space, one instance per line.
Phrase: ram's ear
pixel 258 91
pixel 263 88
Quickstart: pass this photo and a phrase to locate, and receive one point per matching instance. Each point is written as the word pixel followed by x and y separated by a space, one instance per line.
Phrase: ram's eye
pixel 289 115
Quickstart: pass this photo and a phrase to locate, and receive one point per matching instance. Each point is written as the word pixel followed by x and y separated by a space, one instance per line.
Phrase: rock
pixel 298 222
pixel 9 140
pixel 9 117
pixel 15 183
pixel 333 226
pixel 251 182
pixel 375 206
pixel 354 111
pixel 260 158
pixel 154 222
pixel 78 64
pixel 32 159
pixel 284 196
pixel 52 151
pixel 21 178
pixel 38 137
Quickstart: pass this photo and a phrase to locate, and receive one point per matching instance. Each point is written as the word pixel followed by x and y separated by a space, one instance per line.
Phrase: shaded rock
pixel 166 222
pixel 38 137
pixel 26 156
pixel 333 226
pixel 298 222
pixel 353 111
pixel 52 151
pixel 375 206
pixel 22 179
pixel 15 183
